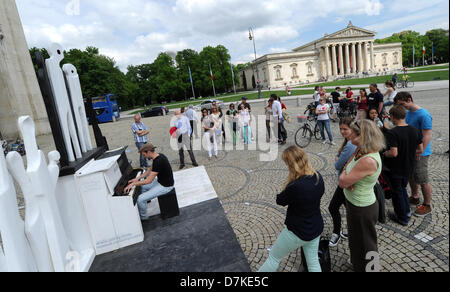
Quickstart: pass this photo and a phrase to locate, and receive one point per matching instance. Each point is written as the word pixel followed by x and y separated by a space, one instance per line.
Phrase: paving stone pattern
pixel 247 189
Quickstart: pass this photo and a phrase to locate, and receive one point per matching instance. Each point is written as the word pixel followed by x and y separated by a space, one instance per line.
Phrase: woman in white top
pixel 323 119
pixel 218 121
pixel 244 121
pixel 391 93
pixel 209 125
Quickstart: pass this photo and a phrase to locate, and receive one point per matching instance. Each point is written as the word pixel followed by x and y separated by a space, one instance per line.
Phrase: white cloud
pixel 136 31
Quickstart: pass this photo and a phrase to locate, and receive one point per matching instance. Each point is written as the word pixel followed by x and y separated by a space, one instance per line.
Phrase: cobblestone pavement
pixel 247 189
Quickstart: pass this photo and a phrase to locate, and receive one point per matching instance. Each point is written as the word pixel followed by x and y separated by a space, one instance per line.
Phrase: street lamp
pixel 251 36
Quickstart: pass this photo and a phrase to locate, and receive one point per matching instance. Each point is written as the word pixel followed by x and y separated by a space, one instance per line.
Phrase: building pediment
pixel 350 32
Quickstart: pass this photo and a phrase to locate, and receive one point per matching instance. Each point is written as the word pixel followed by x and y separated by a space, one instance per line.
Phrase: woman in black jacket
pixel 304 223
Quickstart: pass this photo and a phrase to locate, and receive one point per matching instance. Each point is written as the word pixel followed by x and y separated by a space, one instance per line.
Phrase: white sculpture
pixel 17 255
pixel 34 223
pixel 62 101
pixel 76 95
pixel 2 261
pixel 43 179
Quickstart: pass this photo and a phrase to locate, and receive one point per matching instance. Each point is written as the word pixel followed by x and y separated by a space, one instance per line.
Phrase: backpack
pixel 324 258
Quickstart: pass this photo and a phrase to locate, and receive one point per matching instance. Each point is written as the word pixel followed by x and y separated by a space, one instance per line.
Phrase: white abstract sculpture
pixel 43 179
pixel 62 101
pixel 76 95
pixel 2 261
pixel 34 223
pixel 17 255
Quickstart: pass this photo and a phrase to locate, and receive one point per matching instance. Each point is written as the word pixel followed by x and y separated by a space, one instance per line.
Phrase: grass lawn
pixel 423 76
pixel 426 68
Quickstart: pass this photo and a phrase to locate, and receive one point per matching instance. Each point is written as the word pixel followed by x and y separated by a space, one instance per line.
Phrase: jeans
pixel 282 135
pixel 336 202
pixel 142 159
pixel 322 125
pixel 285 244
pixel 247 132
pixel 150 192
pixel 400 198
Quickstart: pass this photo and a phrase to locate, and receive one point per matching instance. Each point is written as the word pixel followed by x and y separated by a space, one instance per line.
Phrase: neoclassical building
pixel 348 52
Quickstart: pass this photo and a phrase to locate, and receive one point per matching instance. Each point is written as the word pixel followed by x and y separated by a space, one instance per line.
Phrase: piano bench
pixel 168 205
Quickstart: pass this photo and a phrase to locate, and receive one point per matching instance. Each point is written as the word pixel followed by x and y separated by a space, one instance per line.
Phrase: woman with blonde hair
pixel 304 223
pixel 358 180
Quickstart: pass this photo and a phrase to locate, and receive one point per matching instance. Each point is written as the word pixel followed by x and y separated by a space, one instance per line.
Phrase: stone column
pixel 323 66
pixel 353 58
pixel 341 60
pixel 334 59
pixel 372 58
pixel 360 58
pixel 347 59
pixel 20 94
pixel 365 57
pixel 327 60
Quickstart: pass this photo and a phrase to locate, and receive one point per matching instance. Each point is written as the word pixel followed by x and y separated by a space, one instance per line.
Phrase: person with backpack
pixel 404 144
pixel 302 194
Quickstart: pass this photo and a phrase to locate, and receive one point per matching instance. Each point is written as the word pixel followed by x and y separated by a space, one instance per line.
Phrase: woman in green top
pixel 358 180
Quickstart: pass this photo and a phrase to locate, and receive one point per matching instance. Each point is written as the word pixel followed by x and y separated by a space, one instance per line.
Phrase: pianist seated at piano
pixel 156 181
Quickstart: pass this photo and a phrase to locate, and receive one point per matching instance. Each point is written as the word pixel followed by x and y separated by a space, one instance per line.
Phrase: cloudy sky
pixel 136 31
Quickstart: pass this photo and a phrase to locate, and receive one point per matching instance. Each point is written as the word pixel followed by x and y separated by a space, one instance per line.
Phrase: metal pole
pixel 212 79
pixel 232 77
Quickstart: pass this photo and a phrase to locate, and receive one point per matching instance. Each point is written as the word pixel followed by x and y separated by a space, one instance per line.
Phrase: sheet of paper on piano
pixel 189 193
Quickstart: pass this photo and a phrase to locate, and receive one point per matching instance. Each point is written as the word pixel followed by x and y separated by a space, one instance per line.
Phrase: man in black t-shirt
pixel 336 96
pixel 404 144
pixel 156 181
pixel 375 98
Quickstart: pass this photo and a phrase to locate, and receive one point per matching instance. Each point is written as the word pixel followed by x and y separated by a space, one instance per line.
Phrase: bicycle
pixel 304 134
pixel 405 84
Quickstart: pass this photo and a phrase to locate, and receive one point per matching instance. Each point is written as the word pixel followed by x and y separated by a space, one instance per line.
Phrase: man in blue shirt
pixel 421 119
pixel 184 132
pixel 140 133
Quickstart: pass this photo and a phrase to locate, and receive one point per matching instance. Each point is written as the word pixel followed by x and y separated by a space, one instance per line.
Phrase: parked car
pixel 208 104
pixel 156 111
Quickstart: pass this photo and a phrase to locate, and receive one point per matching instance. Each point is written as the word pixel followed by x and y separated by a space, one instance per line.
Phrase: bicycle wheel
pixel 410 84
pixel 317 134
pixel 303 137
pixel 400 85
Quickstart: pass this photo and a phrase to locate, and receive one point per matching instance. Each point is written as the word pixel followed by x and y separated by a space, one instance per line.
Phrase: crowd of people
pixel 371 149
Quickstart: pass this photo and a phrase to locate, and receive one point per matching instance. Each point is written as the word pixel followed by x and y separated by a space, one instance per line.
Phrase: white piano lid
pixel 97 166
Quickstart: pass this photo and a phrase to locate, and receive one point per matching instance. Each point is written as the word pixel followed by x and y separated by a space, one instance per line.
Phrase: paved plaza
pixel 247 188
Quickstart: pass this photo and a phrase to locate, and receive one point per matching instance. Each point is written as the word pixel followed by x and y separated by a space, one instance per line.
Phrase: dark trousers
pixel 400 198
pixel 336 202
pixel 142 160
pixel 185 141
pixel 268 129
pixel 362 234
pixel 194 128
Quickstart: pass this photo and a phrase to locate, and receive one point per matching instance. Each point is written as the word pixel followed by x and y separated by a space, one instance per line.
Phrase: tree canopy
pixel 437 37
pixel 166 79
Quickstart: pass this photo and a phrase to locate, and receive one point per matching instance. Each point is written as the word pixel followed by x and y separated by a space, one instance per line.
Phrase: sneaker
pixel 344 235
pixel 195 164
pixel 334 240
pixel 349 261
pixel 423 211
pixel 324 142
pixel 332 143
pixel 182 166
pixel 395 219
pixel 414 201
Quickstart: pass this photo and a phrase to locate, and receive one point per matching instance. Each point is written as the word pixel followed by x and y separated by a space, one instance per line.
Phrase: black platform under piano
pixel 199 240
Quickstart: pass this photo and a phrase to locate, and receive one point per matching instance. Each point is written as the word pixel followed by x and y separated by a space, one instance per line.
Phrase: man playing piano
pixel 156 180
